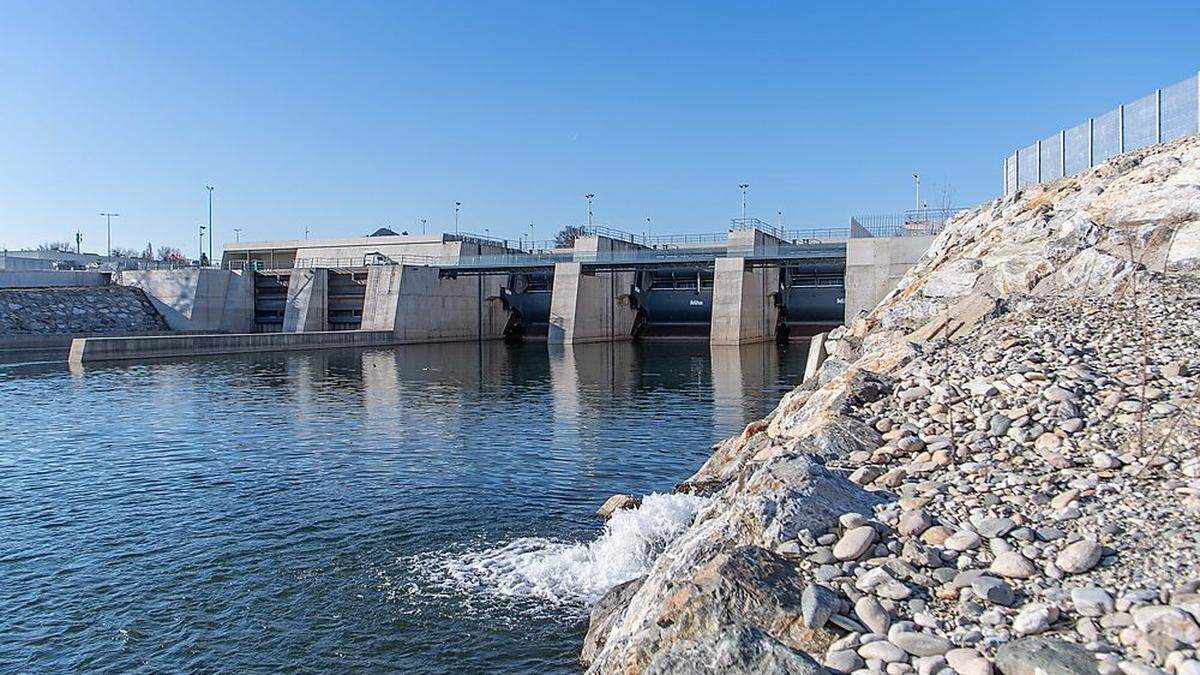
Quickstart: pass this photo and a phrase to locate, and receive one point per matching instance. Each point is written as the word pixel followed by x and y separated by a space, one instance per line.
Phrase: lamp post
pixel 237 233
pixel 589 196
pixel 200 258
pixel 531 236
pixel 108 225
pixel 917 184
pixel 422 226
pixel 457 206
pixel 647 229
pixel 743 186
pixel 779 219
pixel 210 230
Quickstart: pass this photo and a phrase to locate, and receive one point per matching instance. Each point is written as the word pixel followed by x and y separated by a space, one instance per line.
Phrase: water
pixel 422 509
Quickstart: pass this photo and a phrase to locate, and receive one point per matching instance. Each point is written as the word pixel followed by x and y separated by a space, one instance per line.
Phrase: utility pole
pixel 237 233
pixel 589 196
pixel 457 206
pixel 917 183
pixel 743 186
pixel 108 220
pixel 210 230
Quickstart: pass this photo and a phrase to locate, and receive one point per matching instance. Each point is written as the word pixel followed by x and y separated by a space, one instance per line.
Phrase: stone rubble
pixel 82 310
pixel 997 470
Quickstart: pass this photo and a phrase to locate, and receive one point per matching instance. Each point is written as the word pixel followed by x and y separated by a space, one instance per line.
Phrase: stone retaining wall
pixel 74 310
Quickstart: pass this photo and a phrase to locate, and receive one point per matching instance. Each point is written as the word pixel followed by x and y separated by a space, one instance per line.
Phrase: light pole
pixel 457 206
pixel 108 221
pixel 589 196
pixel 200 259
pixel 422 226
pixel 647 229
pixel 743 186
pixel 237 234
pixel 530 236
pixel 779 219
pixel 210 230
pixel 917 183
pixel 306 232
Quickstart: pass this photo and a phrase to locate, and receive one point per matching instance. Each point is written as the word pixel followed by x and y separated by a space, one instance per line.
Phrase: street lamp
pixel 530 236
pixel 237 233
pixel 589 197
pixel 457 206
pixel 422 226
pixel 210 230
pixel 200 259
pixel 917 182
pixel 779 219
pixel 743 186
pixel 108 219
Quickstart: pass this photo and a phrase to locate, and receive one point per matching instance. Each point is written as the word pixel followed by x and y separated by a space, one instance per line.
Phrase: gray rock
pixel 604 615
pixel 1078 557
pixel 817 604
pixel 1170 621
pixel 733 649
pixel 616 503
pixel 993 590
pixel 1013 565
pixel 854 543
pixel 994 527
pixel 919 643
pixel 872 614
pixel 1091 601
pixel 1044 656
pixel 844 661
pixel 884 651
pixel 963 540
pixel 1034 618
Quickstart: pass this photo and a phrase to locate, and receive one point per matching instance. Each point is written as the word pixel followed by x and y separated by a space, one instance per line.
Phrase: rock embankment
pixel 995 470
pixel 83 310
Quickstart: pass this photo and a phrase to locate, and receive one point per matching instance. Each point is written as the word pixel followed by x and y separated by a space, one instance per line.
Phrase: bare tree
pixel 566 236
pixel 55 246
pixel 171 254
pixel 122 252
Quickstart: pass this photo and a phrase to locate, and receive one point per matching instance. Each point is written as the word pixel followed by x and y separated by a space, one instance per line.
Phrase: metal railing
pixel 611 233
pixel 1162 115
pixel 913 223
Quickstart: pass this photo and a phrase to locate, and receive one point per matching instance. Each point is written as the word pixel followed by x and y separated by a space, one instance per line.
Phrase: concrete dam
pixel 747 285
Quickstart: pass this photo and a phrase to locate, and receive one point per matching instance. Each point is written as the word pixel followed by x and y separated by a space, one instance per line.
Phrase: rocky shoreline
pixel 995 470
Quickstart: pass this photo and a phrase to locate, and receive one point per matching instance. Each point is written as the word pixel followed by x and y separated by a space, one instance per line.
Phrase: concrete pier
pixel 198 300
pixel 419 304
pixel 307 301
pixel 590 306
pixel 744 308
pixel 874 265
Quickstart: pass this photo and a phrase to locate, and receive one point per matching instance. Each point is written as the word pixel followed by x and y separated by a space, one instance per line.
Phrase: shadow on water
pixel 304 509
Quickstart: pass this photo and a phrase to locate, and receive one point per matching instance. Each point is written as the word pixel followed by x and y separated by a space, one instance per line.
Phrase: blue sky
pixel 343 117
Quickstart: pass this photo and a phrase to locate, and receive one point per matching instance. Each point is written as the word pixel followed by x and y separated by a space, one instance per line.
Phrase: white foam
pixel 572 572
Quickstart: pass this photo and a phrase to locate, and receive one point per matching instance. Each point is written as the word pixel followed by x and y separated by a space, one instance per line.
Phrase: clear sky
pixel 346 116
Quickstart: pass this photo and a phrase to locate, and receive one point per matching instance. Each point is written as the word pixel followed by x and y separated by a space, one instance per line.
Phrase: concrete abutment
pixel 589 306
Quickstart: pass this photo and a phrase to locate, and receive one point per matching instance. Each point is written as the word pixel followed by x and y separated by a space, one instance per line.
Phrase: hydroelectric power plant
pixel 752 283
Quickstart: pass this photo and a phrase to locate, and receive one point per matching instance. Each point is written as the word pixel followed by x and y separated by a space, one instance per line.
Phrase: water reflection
pixel 249 511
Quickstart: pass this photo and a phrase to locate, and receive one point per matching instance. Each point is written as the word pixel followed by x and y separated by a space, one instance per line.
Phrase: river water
pixel 422 509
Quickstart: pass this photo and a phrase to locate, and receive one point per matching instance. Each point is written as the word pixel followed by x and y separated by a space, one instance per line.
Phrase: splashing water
pixel 570 573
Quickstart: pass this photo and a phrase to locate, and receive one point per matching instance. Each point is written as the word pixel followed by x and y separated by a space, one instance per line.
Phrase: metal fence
pixel 1159 116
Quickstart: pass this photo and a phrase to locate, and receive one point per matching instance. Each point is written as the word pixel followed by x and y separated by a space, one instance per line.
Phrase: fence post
pixel 1062 153
pixel 1091 136
pixel 1158 115
pixel 1004 180
pixel 1017 168
pixel 1121 128
pixel 1038 164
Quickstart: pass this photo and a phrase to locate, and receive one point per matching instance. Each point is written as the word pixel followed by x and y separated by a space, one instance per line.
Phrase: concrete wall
pixel 875 265
pixel 198 300
pixel 590 307
pixel 51 278
pixel 743 241
pixel 589 246
pixel 307 301
pixel 420 306
pixel 167 346
pixel 743 307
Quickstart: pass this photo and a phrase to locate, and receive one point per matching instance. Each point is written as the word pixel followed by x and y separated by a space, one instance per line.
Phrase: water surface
pixel 422 509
